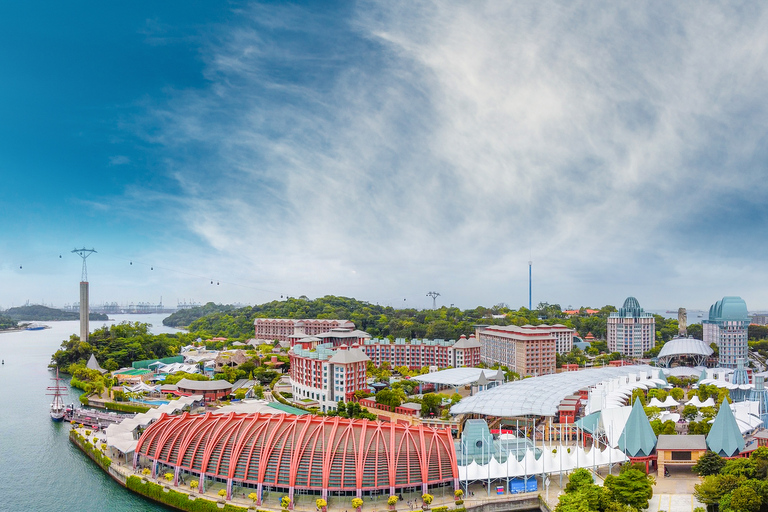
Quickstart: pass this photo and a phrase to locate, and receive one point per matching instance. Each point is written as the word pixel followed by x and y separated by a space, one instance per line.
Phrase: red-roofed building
pixel 283 453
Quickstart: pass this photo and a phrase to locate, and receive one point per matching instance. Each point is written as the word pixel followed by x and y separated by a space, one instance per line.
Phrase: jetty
pixel 95 419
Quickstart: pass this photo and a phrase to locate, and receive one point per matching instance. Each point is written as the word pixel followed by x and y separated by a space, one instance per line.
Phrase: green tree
pixel 631 487
pixel 388 397
pixel 745 499
pixel 714 487
pixel 690 412
pixel 430 404
pixel 709 463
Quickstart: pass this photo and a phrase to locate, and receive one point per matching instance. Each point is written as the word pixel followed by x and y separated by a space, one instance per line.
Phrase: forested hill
pixel 184 317
pixel 38 313
pixel 380 321
pixel 7 322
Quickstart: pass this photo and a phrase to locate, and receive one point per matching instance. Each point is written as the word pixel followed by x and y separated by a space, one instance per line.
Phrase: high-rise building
pixel 630 330
pixel 526 350
pixel 727 328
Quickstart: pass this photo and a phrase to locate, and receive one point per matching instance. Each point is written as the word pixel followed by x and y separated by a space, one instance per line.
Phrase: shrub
pixel 458 493
pixel 175 499
pixel 357 503
pixel 194 484
pixel 440 509
pixel 126 407
pixel 459 502
pixel 320 503
pixel 285 502
pixel 222 492
pixel 168 476
pixel 392 500
pixel 427 499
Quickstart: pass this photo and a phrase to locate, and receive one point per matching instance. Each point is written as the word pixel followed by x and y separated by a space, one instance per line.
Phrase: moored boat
pixel 58 409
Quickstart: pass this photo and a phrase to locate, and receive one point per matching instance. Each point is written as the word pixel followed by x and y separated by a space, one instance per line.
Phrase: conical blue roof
pixel 663 377
pixel 724 437
pixel 703 375
pixel 638 439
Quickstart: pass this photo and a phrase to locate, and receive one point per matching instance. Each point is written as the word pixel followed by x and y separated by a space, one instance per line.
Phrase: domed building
pixel 630 330
pixel 303 454
pixel 727 327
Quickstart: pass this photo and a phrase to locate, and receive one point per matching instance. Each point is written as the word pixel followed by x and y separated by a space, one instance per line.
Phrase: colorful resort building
pixel 327 374
pixel 420 353
pixel 306 454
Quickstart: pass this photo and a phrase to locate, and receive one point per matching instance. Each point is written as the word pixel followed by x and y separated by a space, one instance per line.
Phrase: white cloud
pixel 439 145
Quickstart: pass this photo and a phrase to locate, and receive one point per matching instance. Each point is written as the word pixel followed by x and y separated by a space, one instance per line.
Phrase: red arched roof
pixel 310 452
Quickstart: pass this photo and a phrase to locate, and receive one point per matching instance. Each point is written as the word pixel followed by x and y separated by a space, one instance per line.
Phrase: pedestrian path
pixel 673 503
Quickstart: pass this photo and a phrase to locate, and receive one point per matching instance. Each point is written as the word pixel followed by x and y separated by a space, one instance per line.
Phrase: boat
pixel 35 327
pixel 58 409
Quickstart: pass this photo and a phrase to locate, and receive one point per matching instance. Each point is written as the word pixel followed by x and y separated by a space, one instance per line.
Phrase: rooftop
pixel 542 395
pixel 675 442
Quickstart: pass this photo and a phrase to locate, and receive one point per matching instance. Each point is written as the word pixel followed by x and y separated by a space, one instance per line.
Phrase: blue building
pixel 727 328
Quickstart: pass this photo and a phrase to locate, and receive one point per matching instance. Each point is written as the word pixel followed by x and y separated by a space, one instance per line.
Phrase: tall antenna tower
pixel 84 306
pixel 530 302
pixel 434 296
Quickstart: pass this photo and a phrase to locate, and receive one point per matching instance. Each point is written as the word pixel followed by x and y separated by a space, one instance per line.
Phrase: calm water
pixel 40 469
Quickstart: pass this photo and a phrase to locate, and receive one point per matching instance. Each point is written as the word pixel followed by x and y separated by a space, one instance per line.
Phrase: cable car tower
pixel 84 306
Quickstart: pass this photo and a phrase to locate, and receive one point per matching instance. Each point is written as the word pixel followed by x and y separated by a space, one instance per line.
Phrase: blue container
pixel 518 485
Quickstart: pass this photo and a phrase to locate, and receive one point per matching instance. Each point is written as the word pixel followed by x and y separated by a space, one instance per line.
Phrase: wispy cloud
pixel 441 144
pixel 119 160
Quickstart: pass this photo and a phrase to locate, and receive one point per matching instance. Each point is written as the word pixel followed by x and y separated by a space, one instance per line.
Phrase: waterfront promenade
pixel 673 494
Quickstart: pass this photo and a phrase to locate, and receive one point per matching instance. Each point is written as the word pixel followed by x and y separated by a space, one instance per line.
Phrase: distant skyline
pixel 384 149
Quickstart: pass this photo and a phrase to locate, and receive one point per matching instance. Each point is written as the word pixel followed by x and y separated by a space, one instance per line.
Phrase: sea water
pixel 40 470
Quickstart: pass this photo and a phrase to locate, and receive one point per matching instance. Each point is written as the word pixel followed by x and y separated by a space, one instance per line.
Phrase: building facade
pixel 630 330
pixel 726 327
pixel 526 350
pixel 327 374
pixel 283 453
pixel 421 353
pixel 281 328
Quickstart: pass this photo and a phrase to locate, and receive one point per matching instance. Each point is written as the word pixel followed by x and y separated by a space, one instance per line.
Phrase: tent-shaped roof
pixel 93 364
pixel 724 437
pixel 638 439
pixel 663 377
pixel 670 402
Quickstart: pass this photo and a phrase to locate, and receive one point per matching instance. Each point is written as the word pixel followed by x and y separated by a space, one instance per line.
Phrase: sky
pixel 240 152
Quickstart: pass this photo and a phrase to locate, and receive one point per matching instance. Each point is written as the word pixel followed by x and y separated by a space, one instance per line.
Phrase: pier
pixel 95 419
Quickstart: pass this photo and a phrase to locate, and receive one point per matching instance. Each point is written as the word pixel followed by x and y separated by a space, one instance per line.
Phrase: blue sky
pixel 382 150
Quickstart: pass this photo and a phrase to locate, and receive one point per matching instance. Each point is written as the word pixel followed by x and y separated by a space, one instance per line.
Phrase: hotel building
pixel 282 328
pixel 630 330
pixel 326 373
pixel 526 350
pixel 420 353
pixel 727 327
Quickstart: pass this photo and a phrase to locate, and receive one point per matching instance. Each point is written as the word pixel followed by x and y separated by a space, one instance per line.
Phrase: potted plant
pixel 321 504
pixel 392 501
pixel 357 504
pixel 426 499
pixel 457 494
pixel 285 502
